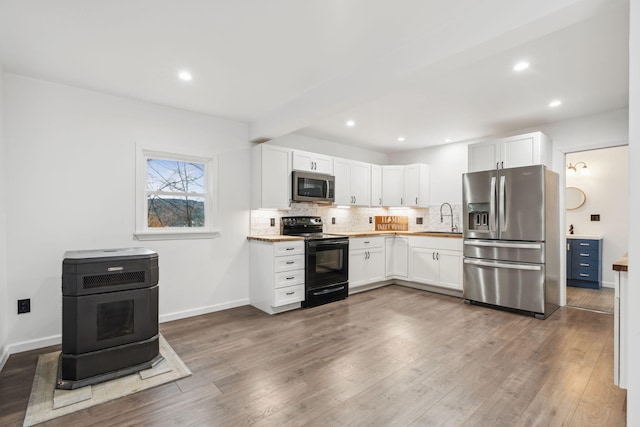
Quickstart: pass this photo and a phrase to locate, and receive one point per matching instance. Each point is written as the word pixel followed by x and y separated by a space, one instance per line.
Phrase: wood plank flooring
pixel 591 299
pixel 391 356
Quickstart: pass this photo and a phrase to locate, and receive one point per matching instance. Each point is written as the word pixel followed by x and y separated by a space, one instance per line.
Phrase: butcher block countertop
pixel 281 238
pixel 275 238
pixel 622 264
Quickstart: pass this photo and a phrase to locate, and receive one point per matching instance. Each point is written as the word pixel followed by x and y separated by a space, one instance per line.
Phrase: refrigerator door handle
pixel 503 216
pixel 492 206
pixel 503 244
pixel 503 265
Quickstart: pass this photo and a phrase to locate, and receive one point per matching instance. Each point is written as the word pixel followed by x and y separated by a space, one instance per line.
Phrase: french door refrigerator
pixel 511 239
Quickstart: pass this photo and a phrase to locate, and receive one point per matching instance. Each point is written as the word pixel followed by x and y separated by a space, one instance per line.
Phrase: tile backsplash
pixel 355 218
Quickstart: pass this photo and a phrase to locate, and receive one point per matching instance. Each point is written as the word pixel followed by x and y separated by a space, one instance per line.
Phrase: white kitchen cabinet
pixel 276 275
pixel 271 177
pixel 405 185
pixel 352 182
pixel 521 150
pixel 397 257
pixel 366 261
pixel 436 261
pixel 312 162
pixel 376 185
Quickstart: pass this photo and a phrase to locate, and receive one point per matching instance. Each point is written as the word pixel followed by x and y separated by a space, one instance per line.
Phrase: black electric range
pixel 326 260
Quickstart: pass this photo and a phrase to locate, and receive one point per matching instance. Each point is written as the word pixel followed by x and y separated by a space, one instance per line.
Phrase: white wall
pixel 633 325
pixel 71 163
pixel 607 187
pixel 4 306
pixel 321 146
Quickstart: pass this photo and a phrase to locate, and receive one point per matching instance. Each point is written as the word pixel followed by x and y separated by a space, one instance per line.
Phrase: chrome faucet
pixel 453 227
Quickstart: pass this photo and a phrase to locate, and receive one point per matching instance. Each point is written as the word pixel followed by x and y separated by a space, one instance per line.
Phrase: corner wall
pixel 4 305
pixel 71 160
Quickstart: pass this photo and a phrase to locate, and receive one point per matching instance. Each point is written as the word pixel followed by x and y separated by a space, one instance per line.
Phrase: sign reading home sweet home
pixel 392 223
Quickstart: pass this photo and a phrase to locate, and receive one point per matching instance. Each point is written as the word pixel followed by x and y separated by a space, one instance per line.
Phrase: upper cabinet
pixel 271 182
pixel 521 150
pixel 312 162
pixel 405 185
pixel 352 182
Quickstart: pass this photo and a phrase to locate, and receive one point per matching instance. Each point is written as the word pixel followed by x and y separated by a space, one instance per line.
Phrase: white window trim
pixel 209 231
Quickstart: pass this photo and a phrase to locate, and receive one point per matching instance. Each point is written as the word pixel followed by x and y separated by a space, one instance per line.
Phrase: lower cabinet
pixel 584 262
pixel 397 257
pixel 366 261
pixel 436 261
pixel 276 275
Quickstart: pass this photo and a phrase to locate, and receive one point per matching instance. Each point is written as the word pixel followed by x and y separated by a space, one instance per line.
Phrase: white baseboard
pixel 3 358
pixel 19 347
pixel 608 285
pixel 202 310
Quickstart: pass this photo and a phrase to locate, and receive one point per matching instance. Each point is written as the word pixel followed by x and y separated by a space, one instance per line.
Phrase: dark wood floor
pixel 392 356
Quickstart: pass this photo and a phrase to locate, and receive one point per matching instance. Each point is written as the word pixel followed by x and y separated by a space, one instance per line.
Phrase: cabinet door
pixel 450 270
pixel 276 183
pixel 376 185
pixel 303 161
pixel 424 267
pixel 392 185
pixel 375 265
pixel 401 252
pixel 357 265
pixel 416 185
pixel 483 156
pixel 342 172
pixel 323 164
pixel 518 151
pixel 360 183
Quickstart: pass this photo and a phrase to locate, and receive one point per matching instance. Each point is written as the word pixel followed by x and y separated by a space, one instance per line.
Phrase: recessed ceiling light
pixel 522 65
pixel 350 123
pixel 185 75
pixel 555 103
pixel 401 139
pixel 448 140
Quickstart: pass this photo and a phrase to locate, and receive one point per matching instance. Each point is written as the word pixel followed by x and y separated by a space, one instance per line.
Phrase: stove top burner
pixel 309 227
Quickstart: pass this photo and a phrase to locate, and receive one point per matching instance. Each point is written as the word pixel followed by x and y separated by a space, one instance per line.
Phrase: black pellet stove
pixel 109 315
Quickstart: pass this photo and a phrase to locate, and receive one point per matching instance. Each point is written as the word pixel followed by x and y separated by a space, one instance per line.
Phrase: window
pixel 175 196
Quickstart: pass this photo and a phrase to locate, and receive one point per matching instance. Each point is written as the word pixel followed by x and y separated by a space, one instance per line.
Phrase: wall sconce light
pixel 573 169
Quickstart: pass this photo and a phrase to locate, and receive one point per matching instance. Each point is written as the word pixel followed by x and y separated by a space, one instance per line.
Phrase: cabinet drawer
pixel 366 243
pixel 286 263
pixel 288 248
pixel 289 278
pixel 580 244
pixel 585 255
pixel 586 274
pixel 585 263
pixel 288 295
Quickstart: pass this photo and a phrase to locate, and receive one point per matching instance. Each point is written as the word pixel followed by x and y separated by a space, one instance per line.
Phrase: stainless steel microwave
pixel 312 187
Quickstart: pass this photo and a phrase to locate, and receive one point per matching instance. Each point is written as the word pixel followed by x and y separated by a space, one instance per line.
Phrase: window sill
pixel 175 235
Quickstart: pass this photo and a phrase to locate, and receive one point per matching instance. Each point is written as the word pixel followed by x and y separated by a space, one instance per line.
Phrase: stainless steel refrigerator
pixel 511 239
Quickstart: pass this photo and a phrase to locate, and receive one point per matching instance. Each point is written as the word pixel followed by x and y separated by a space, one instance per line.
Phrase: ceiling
pixel 426 70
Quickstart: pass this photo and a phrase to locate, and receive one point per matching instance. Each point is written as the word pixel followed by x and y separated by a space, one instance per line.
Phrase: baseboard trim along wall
pixel 202 310
pixel 19 347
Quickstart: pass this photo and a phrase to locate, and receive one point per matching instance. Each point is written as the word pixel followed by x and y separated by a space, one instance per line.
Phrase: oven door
pixel 327 262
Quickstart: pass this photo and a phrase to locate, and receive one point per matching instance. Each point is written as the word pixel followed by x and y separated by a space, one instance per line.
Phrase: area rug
pixel 46 403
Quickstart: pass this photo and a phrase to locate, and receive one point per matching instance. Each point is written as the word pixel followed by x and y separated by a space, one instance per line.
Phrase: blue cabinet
pixel 584 263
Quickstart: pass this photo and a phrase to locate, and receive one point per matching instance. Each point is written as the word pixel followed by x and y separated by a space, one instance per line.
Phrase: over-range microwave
pixel 312 187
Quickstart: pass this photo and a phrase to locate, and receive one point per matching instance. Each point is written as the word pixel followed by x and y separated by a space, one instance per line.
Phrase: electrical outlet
pixel 419 220
pixel 24 305
pixel 370 220
pixel 595 217
pixel 333 220
pixel 272 221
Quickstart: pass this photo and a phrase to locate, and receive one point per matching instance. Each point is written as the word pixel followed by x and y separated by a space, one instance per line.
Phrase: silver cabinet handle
pixel 584 275
pixel 585 244
pixel 584 254
pixel 583 264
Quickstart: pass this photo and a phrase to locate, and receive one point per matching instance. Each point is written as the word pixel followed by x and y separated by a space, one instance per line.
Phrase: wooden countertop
pixel 622 264
pixel 281 238
pixel 274 238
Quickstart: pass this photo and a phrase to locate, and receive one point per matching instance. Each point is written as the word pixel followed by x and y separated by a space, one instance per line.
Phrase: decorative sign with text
pixel 392 223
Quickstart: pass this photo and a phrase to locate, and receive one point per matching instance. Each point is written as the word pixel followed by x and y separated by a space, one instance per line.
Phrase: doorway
pixel 596 209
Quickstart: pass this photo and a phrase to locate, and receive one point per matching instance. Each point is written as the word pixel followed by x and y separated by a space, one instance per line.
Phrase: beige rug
pixel 46 403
